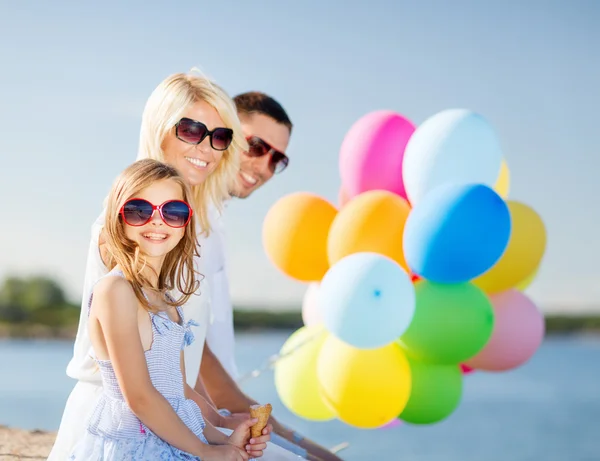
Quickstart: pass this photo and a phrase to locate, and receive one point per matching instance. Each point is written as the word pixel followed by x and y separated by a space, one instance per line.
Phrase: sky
pixel 75 76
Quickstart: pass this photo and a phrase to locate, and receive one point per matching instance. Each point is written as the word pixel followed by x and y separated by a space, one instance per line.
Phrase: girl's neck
pixel 152 269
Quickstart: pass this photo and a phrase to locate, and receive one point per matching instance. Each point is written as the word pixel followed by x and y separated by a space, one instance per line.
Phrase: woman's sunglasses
pixel 193 132
pixel 257 148
pixel 175 213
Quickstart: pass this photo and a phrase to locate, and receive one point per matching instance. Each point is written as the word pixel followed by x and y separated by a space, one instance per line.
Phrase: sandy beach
pixel 18 444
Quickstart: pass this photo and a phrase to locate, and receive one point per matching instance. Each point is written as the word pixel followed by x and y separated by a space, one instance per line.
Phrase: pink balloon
pixel 310 312
pixel 519 329
pixel 392 423
pixel 372 152
pixel 466 369
pixel 342 197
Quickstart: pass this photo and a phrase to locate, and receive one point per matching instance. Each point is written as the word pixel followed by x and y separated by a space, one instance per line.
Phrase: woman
pixel 190 123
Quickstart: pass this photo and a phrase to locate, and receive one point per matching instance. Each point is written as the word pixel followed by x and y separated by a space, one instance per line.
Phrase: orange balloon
pixel 372 221
pixel 295 235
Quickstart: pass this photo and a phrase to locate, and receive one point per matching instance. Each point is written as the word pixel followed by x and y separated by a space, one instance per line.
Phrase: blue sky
pixel 75 76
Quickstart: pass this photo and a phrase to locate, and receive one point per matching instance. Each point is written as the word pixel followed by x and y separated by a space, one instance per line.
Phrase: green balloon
pixel 435 392
pixel 451 324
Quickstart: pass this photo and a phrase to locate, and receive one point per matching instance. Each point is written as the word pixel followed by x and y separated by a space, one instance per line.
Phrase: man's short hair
pixel 255 102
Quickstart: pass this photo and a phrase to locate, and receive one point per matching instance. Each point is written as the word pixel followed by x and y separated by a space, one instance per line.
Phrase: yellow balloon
pixel 295 234
pixel 296 374
pixel 366 388
pixel 372 221
pixel 523 253
pixel 502 185
pixel 523 285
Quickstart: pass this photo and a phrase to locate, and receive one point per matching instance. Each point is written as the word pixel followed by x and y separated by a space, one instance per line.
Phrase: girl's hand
pixel 255 446
pixel 225 453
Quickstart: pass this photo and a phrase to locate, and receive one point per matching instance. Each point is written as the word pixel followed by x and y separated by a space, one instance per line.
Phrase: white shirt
pixel 83 367
pixel 220 337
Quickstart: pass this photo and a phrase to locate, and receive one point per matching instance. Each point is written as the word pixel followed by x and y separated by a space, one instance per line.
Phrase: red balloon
pixel 466 369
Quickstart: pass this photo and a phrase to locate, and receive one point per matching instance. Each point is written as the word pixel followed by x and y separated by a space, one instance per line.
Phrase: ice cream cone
pixel 262 413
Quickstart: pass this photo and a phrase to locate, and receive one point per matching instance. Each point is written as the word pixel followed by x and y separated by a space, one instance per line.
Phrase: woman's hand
pixel 254 446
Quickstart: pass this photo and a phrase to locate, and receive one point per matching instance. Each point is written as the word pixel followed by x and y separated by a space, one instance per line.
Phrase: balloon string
pixel 276 358
pixel 339 447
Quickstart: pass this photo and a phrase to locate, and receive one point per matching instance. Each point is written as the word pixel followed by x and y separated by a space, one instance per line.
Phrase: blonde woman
pixel 191 124
pixel 138 331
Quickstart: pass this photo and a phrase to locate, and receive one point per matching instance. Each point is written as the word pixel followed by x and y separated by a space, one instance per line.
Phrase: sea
pixel 546 410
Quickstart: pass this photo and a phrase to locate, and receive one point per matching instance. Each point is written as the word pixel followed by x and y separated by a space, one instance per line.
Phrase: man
pixel 267 128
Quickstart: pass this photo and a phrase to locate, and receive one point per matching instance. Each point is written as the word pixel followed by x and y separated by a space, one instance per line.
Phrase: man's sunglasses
pixel 174 213
pixel 257 148
pixel 194 132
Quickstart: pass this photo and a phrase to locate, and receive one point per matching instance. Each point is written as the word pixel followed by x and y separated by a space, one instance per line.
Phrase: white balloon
pixel 310 308
pixel 452 146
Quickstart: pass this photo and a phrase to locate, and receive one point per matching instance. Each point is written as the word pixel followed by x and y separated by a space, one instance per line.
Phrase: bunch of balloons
pixel 416 277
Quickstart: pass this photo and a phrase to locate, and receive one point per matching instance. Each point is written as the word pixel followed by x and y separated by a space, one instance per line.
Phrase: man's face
pixel 255 171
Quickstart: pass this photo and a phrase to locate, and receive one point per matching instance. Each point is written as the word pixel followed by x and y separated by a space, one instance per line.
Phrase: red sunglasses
pixel 257 148
pixel 138 212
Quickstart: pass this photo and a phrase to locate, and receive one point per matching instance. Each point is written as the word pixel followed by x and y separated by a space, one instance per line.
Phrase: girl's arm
pixel 116 309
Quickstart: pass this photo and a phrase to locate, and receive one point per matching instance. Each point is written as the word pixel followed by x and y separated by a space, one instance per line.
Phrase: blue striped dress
pixel 113 431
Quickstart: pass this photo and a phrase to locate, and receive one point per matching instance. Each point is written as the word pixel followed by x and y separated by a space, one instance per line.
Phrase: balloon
pixel 367 300
pixel 366 388
pixel 435 392
pixel 465 369
pixel 296 374
pixel 373 221
pixel 372 152
pixel 393 423
pixel 453 146
pixel 451 324
pixel 295 234
pixel 311 315
pixel 502 185
pixel 342 197
pixel 518 332
pixel 523 253
pixel 523 285
pixel 456 233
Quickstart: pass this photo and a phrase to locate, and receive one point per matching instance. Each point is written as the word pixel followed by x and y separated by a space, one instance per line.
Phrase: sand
pixel 18 444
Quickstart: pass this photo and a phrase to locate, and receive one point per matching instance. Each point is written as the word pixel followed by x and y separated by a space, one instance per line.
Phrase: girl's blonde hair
pixel 178 267
pixel 165 107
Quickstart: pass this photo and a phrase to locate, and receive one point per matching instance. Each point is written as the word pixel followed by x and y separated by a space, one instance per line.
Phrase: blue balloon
pixel 456 233
pixel 367 300
pixel 453 146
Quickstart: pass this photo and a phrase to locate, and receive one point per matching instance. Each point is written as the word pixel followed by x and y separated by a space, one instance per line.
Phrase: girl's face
pixel 157 236
pixel 196 161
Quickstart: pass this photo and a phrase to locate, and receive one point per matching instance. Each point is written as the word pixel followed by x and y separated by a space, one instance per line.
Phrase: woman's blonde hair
pixel 178 267
pixel 165 107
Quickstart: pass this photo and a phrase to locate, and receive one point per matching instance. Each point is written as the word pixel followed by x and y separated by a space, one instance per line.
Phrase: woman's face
pixel 194 161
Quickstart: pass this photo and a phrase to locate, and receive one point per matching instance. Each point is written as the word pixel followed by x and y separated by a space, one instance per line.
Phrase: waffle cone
pixel 262 413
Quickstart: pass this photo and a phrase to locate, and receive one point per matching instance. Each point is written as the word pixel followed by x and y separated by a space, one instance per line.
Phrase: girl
pixel 138 330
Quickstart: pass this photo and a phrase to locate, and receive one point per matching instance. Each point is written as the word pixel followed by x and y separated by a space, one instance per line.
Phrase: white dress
pixel 82 367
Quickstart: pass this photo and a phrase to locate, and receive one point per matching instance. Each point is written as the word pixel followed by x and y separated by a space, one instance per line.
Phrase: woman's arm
pixel 211 416
pixel 241 435
pixel 116 309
